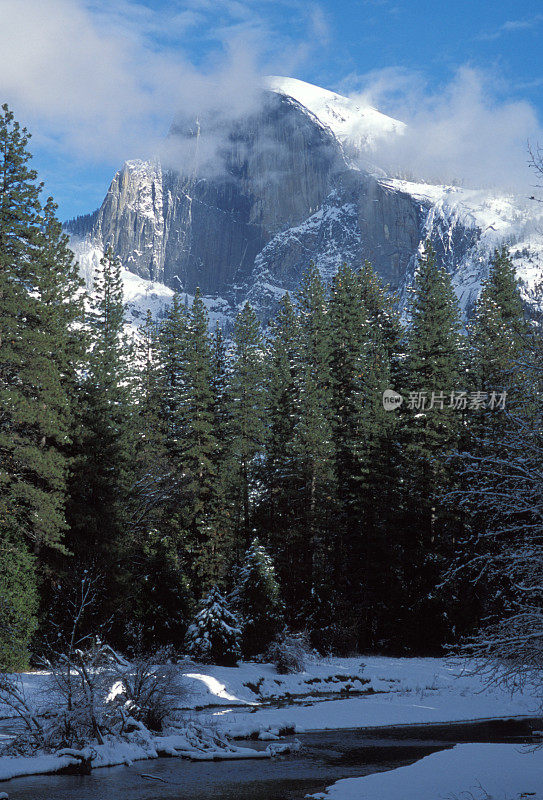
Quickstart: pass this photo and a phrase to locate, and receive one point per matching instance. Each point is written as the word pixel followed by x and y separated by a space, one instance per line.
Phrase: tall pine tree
pixel 246 417
pixel 101 474
pixel 432 425
pixel 38 306
pixel 314 450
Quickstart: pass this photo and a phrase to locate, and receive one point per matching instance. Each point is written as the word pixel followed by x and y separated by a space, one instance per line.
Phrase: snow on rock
pixel 141 295
pixel 250 244
pixel 353 124
pixel 475 771
pixel 495 220
pixel 147 176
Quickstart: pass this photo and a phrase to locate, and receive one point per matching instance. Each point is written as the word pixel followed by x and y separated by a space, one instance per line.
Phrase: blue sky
pixel 99 81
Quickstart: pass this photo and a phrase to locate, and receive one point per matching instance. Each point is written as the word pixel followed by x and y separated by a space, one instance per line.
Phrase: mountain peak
pixel 353 123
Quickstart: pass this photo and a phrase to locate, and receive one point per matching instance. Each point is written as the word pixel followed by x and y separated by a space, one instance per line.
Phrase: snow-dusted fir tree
pixel 257 599
pixel 501 492
pixel 214 635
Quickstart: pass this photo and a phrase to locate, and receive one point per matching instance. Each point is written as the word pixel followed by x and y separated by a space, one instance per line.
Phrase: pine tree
pixel 199 451
pixel 256 598
pixel 215 634
pixel 500 557
pixel 38 363
pixel 497 335
pixel 431 428
pixel 313 442
pixel 101 474
pixel 502 287
pixel 156 589
pixel 348 334
pixel 219 381
pixel 34 406
pixel 18 604
pixel 498 356
pixel 279 512
pixel 170 527
pixel 433 371
pixel 150 468
pixel 159 596
pixel 381 309
pixel 246 418
pixel 173 357
pixel 378 476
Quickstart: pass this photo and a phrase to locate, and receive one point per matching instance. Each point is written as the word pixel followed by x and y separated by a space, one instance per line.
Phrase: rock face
pixel 284 191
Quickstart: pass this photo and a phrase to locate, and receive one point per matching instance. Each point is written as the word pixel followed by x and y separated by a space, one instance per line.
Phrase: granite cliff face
pixel 289 186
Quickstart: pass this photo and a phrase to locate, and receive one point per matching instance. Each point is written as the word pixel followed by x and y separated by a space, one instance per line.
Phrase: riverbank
pixel 253 701
pixel 325 757
pixel 474 771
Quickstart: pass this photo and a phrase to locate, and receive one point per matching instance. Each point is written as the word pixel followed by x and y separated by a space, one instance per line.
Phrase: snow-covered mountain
pixel 293 183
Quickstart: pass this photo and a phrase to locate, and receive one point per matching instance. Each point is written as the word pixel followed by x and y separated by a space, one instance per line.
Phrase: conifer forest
pixel 368 477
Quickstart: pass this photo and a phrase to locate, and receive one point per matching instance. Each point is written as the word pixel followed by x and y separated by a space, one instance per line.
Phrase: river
pixel 324 758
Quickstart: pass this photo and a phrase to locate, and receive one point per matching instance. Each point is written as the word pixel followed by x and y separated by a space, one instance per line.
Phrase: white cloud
pixel 512 26
pixel 103 79
pixel 465 132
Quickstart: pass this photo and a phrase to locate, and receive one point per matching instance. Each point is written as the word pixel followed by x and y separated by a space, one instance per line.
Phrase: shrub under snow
pixel 288 652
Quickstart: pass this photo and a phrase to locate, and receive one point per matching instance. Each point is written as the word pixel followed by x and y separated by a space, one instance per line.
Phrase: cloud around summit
pixel 104 80
pixel 467 131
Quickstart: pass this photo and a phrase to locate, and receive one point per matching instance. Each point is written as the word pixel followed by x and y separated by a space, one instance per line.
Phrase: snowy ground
pixel 467 772
pixel 254 700
pixel 347 693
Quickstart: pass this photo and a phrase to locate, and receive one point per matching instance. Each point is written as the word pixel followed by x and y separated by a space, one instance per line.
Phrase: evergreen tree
pixel 173 357
pixel 256 598
pixel 101 473
pixel 378 475
pixel 313 443
pixel 433 372
pixel 38 362
pixel 381 310
pixel 499 359
pixel 198 453
pixel 150 467
pixel 432 425
pixel 215 634
pixel 18 604
pixel 348 335
pixel 159 597
pixel 502 287
pixel 500 557
pixel 34 406
pixel 156 589
pixel 219 382
pixel 497 335
pixel 279 511
pixel 246 417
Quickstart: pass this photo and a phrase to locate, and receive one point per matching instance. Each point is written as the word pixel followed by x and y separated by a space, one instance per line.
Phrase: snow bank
pixel 107 755
pixel 369 692
pixel 474 771
pixel 115 752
